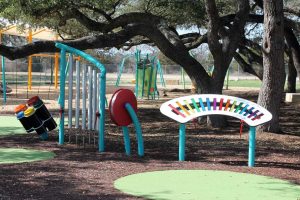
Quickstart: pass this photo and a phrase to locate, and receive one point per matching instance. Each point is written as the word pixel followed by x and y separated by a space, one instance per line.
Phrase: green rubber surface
pixel 207 185
pixel 10 125
pixel 18 155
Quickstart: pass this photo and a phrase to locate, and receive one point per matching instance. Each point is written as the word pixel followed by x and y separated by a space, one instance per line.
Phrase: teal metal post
pixel 120 72
pixel 136 73
pixel 66 72
pixel 155 86
pixel 3 79
pixel 102 100
pixel 161 73
pixel 251 158
pixel 150 79
pixel 143 80
pixel 181 142
pixel 126 140
pixel 138 128
pixel 62 95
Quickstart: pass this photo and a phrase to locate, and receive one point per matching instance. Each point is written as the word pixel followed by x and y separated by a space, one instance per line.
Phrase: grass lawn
pixel 250 83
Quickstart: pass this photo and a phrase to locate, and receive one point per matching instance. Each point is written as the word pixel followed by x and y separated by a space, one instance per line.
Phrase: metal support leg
pixel 138 129
pixel 181 142
pixel 251 158
pixel 61 132
pixel 126 140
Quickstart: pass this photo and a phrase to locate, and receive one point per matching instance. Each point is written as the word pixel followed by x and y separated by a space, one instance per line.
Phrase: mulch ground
pixel 84 173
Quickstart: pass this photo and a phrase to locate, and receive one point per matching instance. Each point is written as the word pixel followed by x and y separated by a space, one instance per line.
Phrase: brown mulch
pixel 84 173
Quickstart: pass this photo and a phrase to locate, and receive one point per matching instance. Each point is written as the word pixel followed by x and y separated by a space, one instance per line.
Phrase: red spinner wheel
pixel 117 110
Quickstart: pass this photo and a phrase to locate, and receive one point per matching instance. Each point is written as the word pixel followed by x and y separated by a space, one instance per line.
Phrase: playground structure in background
pixel 122 110
pixel 31 35
pixel 184 109
pixel 146 69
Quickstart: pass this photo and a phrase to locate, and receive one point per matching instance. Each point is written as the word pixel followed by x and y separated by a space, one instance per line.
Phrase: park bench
pixel 184 109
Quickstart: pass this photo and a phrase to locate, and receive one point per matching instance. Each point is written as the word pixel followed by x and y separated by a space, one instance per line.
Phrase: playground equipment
pixel 101 92
pixel 19 111
pixel 86 101
pixel 31 35
pixel 186 108
pixel 30 122
pixel 42 112
pixel 122 110
pixel 146 69
pixel 35 118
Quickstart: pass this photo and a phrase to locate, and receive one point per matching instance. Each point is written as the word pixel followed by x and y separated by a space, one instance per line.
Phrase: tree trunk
pixel 270 95
pixel 218 76
pixel 291 79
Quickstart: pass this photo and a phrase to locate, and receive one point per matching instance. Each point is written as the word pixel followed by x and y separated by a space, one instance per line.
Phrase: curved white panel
pixel 183 109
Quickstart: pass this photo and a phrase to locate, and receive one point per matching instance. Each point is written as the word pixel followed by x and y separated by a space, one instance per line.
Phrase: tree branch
pixel 95 9
pixel 247 67
pixel 114 7
pixel 237 29
pixel 195 43
pixel 252 56
pixel 213 26
pixel 90 42
pixel 133 43
pixel 87 22
pixel 292 11
pixel 252 45
pixel 121 21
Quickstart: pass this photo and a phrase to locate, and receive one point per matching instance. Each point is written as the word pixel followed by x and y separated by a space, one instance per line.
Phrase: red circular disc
pixel 117 110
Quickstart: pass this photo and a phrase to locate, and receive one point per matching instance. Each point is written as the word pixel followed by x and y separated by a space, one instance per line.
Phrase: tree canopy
pixel 231 28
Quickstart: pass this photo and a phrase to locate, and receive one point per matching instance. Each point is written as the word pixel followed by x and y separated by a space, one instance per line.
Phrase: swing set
pixel 31 35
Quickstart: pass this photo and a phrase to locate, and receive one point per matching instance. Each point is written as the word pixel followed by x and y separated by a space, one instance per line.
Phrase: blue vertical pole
pixel 181 142
pixel 66 73
pixel 161 73
pixel 126 140
pixel 150 79
pixel 138 128
pixel 62 95
pixel 120 72
pixel 3 78
pixel 102 110
pixel 251 156
pixel 136 73
pixel 143 79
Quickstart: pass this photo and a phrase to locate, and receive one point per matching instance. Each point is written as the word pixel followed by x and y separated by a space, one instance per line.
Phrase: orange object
pixel 21 107
pixel 227 105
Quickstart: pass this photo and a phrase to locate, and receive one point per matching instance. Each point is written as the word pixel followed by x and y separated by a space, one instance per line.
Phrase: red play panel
pixel 117 110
